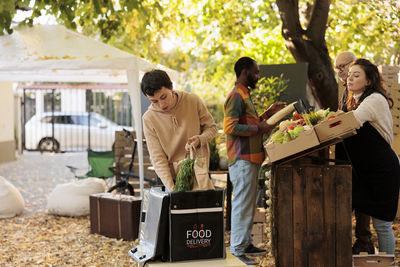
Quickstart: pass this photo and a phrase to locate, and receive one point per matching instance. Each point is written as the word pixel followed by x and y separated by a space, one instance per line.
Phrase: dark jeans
pixel 362 231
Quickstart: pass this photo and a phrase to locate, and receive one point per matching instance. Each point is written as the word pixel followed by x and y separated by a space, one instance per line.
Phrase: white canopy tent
pixel 55 54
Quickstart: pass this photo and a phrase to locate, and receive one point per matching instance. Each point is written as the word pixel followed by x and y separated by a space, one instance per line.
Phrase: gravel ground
pixel 35 175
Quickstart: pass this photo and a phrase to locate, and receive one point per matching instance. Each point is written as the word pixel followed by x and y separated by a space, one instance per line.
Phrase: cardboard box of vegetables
pixel 304 131
pixel 336 125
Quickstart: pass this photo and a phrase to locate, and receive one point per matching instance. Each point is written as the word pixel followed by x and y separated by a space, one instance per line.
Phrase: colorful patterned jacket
pixel 241 127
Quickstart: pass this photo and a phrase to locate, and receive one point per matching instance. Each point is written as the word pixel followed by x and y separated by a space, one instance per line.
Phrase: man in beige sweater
pixel 174 121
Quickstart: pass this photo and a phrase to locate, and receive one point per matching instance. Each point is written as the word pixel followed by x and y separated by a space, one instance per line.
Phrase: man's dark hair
pixel 153 80
pixel 242 64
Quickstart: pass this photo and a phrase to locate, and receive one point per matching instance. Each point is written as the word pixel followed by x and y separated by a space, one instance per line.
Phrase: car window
pixel 79 120
pixel 59 119
pixel 94 121
pixel 63 119
pixel 75 119
pixel 83 120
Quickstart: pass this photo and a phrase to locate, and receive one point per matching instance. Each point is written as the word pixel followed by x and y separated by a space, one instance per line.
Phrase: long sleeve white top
pixel 375 109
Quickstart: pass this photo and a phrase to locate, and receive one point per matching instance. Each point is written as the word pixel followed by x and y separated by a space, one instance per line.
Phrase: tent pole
pixel 134 92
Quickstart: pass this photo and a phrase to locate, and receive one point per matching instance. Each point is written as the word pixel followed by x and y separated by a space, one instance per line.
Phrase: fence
pixel 60 117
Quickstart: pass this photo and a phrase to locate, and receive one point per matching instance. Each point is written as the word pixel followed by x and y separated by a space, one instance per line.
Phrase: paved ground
pixel 35 175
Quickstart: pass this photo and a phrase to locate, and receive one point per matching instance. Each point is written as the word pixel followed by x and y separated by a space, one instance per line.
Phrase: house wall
pixel 7 142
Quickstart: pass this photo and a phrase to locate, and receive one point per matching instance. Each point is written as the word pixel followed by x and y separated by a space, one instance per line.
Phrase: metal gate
pixel 60 117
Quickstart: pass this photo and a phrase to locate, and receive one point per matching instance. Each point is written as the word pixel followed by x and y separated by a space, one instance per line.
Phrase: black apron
pixel 376 173
pixel 340 152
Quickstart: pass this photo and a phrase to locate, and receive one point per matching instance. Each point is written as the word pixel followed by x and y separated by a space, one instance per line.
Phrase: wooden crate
pixel 123 153
pixel 260 215
pixel 387 69
pixel 257 233
pixel 375 260
pixel 398 210
pixel 311 215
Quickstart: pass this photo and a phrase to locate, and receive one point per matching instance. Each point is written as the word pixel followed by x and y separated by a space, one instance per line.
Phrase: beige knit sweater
pixel 167 132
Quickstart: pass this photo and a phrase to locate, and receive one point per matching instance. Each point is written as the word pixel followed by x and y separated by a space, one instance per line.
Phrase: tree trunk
pixel 309 46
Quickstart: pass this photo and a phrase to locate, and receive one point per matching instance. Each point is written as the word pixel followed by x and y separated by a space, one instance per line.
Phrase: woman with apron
pixel 376 168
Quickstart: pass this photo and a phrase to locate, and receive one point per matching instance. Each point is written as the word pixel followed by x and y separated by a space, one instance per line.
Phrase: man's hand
pixel 192 141
pixel 264 127
pixel 274 108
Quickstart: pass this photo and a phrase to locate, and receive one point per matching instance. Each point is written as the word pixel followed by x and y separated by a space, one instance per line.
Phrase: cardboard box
pixel 259 215
pixel 391 78
pixel 373 260
pixel 257 239
pixel 396 128
pixel 257 233
pixel 304 141
pixel 388 69
pixel 115 216
pixel 258 229
pixel 395 95
pixel 342 125
pixel 395 111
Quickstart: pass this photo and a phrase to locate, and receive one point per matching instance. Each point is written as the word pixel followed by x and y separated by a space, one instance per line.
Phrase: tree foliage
pixel 268 91
pixel 8 8
pixel 368 28
pixel 209 35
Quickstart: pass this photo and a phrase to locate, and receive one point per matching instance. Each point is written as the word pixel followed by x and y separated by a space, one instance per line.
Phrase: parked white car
pixel 70 131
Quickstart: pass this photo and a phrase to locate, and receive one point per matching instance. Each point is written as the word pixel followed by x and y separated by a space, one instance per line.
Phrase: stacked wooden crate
pixel 257 233
pixel 390 75
pixel 395 95
pixel 123 153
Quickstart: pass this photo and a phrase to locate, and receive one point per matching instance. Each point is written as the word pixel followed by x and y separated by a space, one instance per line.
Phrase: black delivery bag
pixel 196 225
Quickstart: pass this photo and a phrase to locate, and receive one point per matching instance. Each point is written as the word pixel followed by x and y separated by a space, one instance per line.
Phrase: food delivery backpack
pixel 196 225
pixel 180 226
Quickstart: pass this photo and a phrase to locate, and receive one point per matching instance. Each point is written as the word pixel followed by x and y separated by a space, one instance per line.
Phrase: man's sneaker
pixel 246 260
pixel 360 246
pixel 254 251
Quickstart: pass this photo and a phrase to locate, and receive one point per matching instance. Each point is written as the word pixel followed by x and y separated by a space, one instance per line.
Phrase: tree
pixel 356 26
pixel 308 45
pixel 8 8
pixel 210 34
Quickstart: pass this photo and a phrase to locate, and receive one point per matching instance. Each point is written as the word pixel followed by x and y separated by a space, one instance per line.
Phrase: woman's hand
pixel 193 141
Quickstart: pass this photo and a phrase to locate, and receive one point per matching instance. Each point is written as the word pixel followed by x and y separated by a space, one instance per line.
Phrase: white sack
pixel 11 201
pixel 72 199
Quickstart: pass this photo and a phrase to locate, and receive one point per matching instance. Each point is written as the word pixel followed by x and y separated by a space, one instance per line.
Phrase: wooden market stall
pixel 309 219
pixel 311 213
